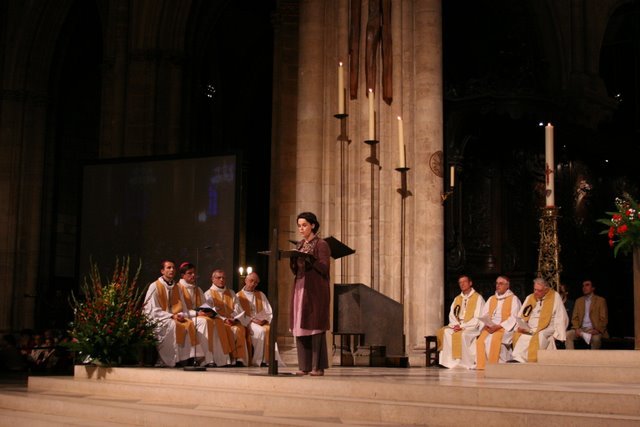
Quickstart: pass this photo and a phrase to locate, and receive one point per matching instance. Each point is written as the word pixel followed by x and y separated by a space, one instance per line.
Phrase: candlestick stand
pixel 343 138
pixel 373 160
pixel 549 267
pixel 404 193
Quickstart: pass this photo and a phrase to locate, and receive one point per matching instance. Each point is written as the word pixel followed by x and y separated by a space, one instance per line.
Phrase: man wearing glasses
pixel 499 320
pixel 226 304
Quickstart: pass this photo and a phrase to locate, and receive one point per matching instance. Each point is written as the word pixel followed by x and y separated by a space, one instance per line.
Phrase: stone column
pixel 311 108
pixel 22 136
pixel 422 82
pixel 309 162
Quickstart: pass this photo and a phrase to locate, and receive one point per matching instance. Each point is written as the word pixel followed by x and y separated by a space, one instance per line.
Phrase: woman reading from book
pixel 310 297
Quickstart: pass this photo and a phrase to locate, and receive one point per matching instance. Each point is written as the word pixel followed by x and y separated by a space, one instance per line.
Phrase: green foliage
pixel 109 325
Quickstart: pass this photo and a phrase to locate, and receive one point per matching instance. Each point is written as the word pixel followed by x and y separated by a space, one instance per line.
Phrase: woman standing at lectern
pixel 310 297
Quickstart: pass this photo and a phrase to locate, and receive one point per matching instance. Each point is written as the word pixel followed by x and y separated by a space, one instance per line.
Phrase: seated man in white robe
pixel 541 320
pixel 499 322
pixel 226 304
pixel 456 341
pixel 175 332
pixel 215 344
pixel 257 319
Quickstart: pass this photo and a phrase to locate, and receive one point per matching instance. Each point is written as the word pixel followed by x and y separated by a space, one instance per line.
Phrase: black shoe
pixel 239 364
pixel 210 365
pixel 264 365
pixel 512 361
pixel 188 362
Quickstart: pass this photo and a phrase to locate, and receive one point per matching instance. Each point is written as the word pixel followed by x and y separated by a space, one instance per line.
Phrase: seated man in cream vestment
pixel 589 318
pixel 215 341
pixel 499 322
pixel 175 331
pixel 258 316
pixel 225 303
pixel 541 320
pixel 456 341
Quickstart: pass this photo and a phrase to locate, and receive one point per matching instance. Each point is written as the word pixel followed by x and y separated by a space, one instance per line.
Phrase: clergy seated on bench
pixel 499 322
pixel 589 319
pixel 227 306
pixel 541 320
pixel 257 319
pixel 457 340
pixel 175 331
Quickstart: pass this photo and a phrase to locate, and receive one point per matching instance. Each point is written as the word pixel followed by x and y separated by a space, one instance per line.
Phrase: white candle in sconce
pixel 452 176
pixel 549 172
pixel 372 117
pixel 340 88
pixel 401 151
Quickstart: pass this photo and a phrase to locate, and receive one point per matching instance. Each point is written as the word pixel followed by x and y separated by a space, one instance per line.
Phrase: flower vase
pixel 636 295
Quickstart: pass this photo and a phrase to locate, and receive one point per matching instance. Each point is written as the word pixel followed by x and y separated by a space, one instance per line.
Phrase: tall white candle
pixel 372 117
pixel 401 152
pixel 549 172
pixel 452 176
pixel 340 88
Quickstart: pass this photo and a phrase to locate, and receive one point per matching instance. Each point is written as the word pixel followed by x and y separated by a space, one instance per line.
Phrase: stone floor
pixel 581 388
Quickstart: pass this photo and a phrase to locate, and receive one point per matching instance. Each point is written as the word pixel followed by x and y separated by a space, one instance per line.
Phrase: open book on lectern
pixel 294 253
pixel 338 249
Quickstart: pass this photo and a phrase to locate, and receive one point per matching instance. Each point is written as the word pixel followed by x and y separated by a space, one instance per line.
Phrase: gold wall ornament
pixel 549 267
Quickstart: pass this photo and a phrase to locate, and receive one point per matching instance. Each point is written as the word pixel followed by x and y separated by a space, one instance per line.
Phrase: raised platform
pixel 604 366
pixel 345 395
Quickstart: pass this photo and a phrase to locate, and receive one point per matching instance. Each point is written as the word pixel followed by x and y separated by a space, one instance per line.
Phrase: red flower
pixel 611 243
pixel 622 229
pixel 612 232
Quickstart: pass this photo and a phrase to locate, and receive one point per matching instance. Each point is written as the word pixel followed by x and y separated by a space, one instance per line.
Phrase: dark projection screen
pixel 181 209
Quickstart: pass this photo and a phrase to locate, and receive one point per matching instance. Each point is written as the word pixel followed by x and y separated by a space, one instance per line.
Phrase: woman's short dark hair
pixel 311 218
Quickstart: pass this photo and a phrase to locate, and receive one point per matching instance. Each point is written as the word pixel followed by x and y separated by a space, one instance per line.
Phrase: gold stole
pixel 456 338
pixel 545 318
pixel 182 328
pixel 192 306
pixel 224 306
pixel 496 337
pixel 246 306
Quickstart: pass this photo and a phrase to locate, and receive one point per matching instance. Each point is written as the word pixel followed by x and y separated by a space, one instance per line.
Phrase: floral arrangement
pixel 109 326
pixel 623 226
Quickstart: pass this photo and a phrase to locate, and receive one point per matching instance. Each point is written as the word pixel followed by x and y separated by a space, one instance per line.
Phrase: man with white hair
pixel 541 320
pixel 257 319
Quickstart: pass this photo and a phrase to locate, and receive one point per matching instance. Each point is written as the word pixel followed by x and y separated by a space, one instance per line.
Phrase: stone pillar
pixel 283 203
pixel 311 108
pixel 309 165
pixel 138 118
pixel 22 153
pixel 114 82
